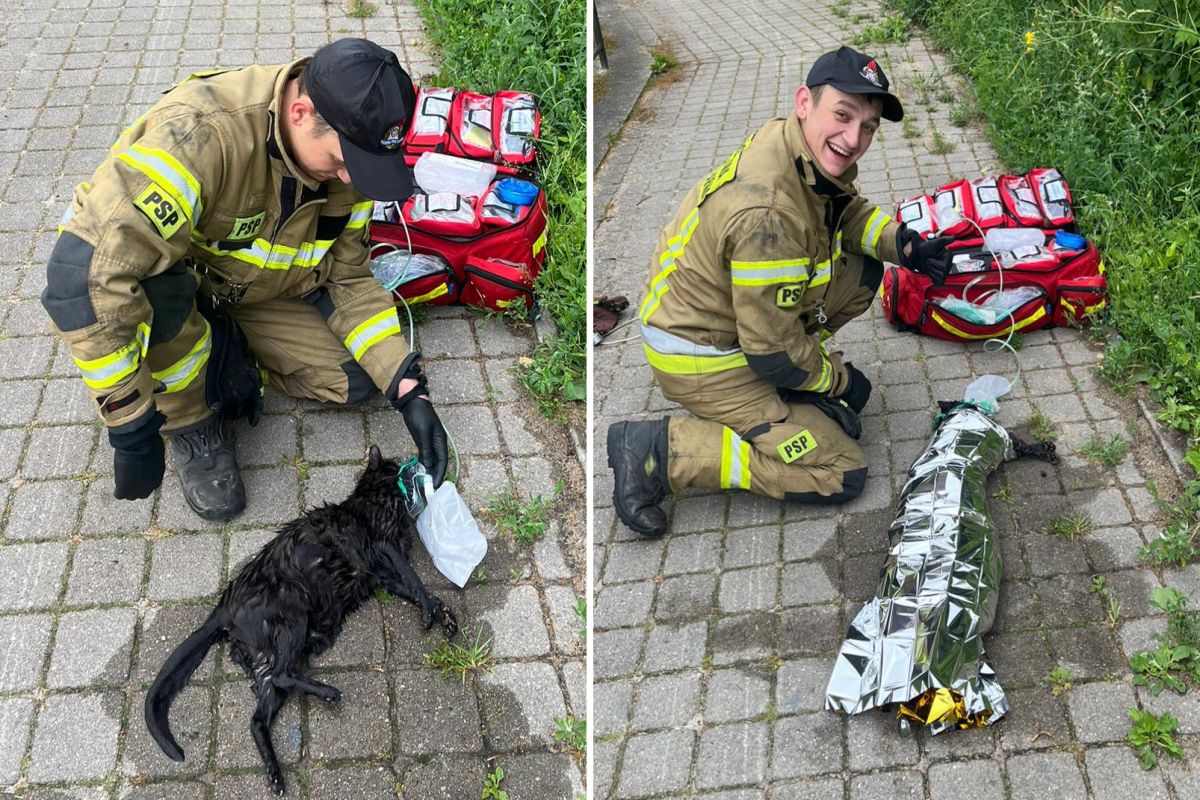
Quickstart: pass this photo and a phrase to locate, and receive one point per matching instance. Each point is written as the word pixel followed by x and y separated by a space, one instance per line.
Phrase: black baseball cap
pixel 364 94
pixel 854 73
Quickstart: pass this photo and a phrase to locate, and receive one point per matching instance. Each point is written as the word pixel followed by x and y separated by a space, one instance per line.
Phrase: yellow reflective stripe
pixel 109 370
pixel 263 256
pixel 765 273
pixel 825 382
pixel 360 213
pixel 180 375
pixel 310 255
pixel 371 332
pixel 163 168
pixel 540 243
pixel 735 461
pixel 873 230
pixel 436 292
pixel 824 270
pixel 675 248
pixel 1074 309
pixel 944 323
pixel 673 364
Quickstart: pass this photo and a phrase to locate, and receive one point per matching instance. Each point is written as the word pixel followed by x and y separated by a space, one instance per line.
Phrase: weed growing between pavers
pixel 1153 732
pixel 1106 453
pixel 1059 681
pixel 571 732
pixel 538 46
pixel 451 658
pixel 1070 525
pixel 491 786
pixel 524 520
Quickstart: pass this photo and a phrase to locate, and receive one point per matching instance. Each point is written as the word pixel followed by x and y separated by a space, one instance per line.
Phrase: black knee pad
pixel 170 294
pixel 359 386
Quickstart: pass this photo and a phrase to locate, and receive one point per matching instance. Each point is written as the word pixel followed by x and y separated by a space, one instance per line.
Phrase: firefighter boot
pixel 208 470
pixel 637 454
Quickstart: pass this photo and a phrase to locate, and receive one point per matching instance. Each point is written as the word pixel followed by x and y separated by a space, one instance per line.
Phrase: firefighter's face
pixel 838 127
pixel 320 155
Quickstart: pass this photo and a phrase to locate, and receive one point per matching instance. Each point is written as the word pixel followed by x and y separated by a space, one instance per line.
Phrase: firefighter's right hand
pixel 138 460
pixel 858 390
pixel 927 257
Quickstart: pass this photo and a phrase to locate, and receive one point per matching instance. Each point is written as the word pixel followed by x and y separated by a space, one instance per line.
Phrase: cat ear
pixel 374 457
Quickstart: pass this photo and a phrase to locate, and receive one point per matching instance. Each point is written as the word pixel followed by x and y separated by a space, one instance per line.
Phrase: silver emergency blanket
pixel 918 643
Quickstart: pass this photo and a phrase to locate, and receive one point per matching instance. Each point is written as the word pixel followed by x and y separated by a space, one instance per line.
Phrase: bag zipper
pixel 494 278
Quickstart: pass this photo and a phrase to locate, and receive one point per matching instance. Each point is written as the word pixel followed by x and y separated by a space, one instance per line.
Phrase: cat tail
pixel 173 676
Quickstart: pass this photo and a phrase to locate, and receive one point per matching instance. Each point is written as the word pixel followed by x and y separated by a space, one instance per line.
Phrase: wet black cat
pixel 290 600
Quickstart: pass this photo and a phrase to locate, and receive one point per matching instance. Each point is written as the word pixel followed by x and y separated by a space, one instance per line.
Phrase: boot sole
pixel 613 442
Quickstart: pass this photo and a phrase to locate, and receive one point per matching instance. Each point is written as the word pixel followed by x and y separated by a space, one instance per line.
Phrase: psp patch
pixel 159 207
pixel 246 227
pixel 797 447
pixel 789 296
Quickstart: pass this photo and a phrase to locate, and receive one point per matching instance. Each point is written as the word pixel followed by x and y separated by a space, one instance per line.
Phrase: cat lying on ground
pixel 289 602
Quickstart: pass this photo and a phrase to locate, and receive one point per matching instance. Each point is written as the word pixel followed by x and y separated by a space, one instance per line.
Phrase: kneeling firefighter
pixel 223 242
pixel 768 256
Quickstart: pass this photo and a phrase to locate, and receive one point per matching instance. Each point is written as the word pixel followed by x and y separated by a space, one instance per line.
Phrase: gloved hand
pixel 138 459
pixel 423 425
pixel 835 408
pixel 927 257
pixel 858 392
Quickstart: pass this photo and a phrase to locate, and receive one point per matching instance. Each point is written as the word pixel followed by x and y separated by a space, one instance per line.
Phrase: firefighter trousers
pixel 294 347
pixel 743 435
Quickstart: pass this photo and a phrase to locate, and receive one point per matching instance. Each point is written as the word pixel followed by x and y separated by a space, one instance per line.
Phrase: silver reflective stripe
pixel 660 341
pixel 159 165
pixel 871 234
pixel 737 476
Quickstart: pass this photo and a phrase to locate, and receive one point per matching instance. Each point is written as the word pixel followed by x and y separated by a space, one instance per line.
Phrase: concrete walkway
pixel 713 646
pixel 95 592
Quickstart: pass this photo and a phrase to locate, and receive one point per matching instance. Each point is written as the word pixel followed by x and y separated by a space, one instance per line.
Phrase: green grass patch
pixel 1041 428
pixel 538 46
pixel 661 62
pixel 360 9
pixel 1106 91
pixel 939 145
pixel 451 658
pixel 524 520
pixel 1070 525
pixel 1106 453
pixel 892 28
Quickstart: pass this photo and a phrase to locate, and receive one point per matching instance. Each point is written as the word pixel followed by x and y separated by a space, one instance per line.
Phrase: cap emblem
pixel 871 72
pixel 394 136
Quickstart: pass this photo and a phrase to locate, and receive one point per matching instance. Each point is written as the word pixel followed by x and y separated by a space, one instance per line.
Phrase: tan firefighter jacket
pixel 740 275
pixel 204 174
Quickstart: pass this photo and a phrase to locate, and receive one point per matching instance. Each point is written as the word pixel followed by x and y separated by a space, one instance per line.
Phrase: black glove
pixel 835 408
pixel 858 392
pixel 423 425
pixel 138 459
pixel 927 257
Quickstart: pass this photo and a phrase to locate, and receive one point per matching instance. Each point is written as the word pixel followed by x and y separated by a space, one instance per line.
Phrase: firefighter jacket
pixel 204 175
pixel 740 275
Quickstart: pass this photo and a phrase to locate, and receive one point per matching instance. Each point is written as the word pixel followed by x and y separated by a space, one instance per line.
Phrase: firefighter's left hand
pixel 927 257
pixel 428 434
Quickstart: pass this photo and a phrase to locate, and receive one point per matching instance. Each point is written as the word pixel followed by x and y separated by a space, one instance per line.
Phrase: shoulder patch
pixel 247 227
pixel 797 447
pixel 159 207
pixel 789 296
pixel 722 174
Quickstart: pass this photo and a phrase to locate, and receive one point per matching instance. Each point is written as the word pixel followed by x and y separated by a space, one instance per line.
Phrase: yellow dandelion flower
pixel 1029 37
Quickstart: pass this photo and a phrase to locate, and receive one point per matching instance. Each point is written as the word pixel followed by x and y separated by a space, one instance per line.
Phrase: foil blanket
pixel 918 643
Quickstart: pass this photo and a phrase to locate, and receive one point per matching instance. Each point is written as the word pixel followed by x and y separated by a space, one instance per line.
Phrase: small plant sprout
pixel 451 658
pixel 581 611
pixel 571 731
pixel 1106 454
pixel 524 520
pixel 491 785
pixel 1041 428
pixel 939 145
pixel 1059 681
pixel 1070 525
pixel 1151 732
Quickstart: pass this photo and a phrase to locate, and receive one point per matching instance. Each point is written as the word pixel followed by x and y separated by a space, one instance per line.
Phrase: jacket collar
pixel 281 160
pixel 810 172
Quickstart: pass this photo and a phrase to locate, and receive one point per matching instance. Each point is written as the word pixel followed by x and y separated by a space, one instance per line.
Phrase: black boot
pixel 208 470
pixel 637 454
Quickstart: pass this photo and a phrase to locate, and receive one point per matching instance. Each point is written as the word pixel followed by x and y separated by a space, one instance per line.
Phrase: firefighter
pixel 767 257
pixel 223 243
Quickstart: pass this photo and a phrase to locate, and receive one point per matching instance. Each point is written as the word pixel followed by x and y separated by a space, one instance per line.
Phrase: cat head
pixel 379 478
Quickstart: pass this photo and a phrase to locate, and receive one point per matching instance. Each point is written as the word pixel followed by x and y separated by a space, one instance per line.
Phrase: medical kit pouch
pixel 431 121
pixel 500 127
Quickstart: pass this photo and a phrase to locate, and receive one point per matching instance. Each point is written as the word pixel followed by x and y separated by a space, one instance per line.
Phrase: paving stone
pixel 536 476
pixel 44 510
pixel 497 338
pixel 744 637
pixel 1114 774
pixel 519 703
pixel 191 723
pixel 732 754
pixel 671 647
pixel 473 429
pixel 1099 710
pixel 570 632
pixel 874 742
pixel 550 559
pixel 15 716
pixel 244 545
pixel 1022 657
pixel 333 436
pixel 750 589
pixel 656 763
pixel 34 574
pixel 667 701
pixel 1182 707
pixel 76 737
pixel 809 744
pixel 696 553
pixel 685 597
pixel 611 702
pixel 1110 549
pixel 531 776
pixel 887 786
pixel 331 484
pixel 616 652
pixel 947 780
pixel 800 685
pixel 185 566
pixel 23 640
pixel 359 644
pixel 271 497
pixel 272 440
pixel 810 539
pixel 751 547
pixel 58 451
pixel 1034 776
pixel 735 694
pixel 810 582
pixel 514 621
pixel 750 510
pixel 103 513
pixel 11 444
pixel 92 648
pixel 504 386
pixel 631 561
pixel 434 715
pixel 810 630
pixel 21 401
pixel 623 605
pixel 698 513
pixel 353 781
pixel 445 777
pixel 163 628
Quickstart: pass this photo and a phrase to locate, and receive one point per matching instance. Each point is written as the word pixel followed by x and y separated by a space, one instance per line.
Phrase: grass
pixel 297 463
pixel 491 785
pixel 572 732
pixel 524 520
pixel 360 9
pixel 963 113
pixel 939 145
pixel 1151 733
pixel 451 658
pixel 538 46
pixel 892 28
pixel 1059 681
pixel 1041 428
pixel 1070 525
pixel 1106 454
pixel 581 612
pixel 909 129
pixel 1177 541
pixel 1112 607
pixel 1109 89
pixel 661 62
